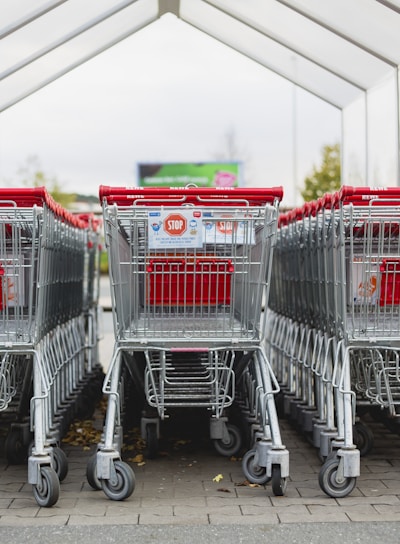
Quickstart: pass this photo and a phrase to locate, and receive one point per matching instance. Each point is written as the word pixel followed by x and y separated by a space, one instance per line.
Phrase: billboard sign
pixel 204 174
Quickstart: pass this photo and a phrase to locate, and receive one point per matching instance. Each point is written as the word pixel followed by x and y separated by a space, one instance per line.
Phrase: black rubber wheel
pixel 363 438
pixel 329 484
pixel 16 451
pixel 125 484
pixel 60 463
pixel 278 483
pixel 46 492
pixel 280 404
pixel 151 448
pixel 233 445
pixel 252 470
pixel 91 473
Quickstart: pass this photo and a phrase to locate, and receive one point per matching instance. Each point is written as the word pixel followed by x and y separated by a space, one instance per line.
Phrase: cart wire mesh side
pixel 47 339
pixel 334 327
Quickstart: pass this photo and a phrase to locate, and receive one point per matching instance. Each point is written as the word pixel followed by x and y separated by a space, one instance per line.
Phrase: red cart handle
pixel 362 196
pixel 38 196
pixel 206 196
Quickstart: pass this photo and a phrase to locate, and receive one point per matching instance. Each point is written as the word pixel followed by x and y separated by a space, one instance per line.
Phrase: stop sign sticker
pixel 225 227
pixel 175 228
pixel 175 224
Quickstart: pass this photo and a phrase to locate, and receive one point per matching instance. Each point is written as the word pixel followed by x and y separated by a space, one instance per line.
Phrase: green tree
pixel 31 174
pixel 326 178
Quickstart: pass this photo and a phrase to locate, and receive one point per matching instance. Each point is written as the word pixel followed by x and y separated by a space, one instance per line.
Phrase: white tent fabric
pixel 346 52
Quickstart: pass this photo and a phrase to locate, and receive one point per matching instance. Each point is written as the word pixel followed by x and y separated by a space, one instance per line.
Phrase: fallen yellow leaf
pixel 138 458
pixel 218 478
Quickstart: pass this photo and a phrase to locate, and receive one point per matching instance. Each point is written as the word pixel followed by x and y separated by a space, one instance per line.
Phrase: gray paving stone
pixel 152 519
pixel 10 488
pixel 310 490
pixel 24 503
pixel 364 512
pixel 20 513
pixel 158 492
pixel 256 509
pixel 152 502
pixel 293 517
pixel 373 487
pixel 82 507
pixel 294 501
pixel 388 509
pixel 154 478
pixel 189 491
pixel 266 518
pixel 191 511
pixel 216 502
pixel 86 508
pixel 378 499
pixel 392 484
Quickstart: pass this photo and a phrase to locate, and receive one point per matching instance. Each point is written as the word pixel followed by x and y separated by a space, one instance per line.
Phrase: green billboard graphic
pixel 204 174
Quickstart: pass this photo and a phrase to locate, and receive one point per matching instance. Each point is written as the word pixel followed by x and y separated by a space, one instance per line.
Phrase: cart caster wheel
pixel 330 485
pixel 60 463
pixel 124 485
pixel 280 404
pixel 16 451
pixel 252 470
pixel 363 438
pixel 91 473
pixel 278 483
pixel 46 492
pixel 151 441
pixel 233 445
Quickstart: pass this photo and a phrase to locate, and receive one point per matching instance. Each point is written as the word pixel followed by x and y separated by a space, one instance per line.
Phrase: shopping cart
pixel 45 363
pixel 189 270
pixel 337 353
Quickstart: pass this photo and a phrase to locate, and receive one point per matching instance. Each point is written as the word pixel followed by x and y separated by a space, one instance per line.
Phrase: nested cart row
pixel 334 322
pixel 48 329
pixel 189 274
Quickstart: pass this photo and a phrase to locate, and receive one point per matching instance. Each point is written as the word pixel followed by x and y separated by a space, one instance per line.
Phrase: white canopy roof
pixel 335 49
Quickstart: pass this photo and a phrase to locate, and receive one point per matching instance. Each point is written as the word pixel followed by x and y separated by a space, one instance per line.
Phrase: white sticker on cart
pixel 175 228
pixel 228 230
pixel 11 284
pixel 364 280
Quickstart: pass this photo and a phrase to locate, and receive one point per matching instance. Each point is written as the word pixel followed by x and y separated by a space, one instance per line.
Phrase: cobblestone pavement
pixel 178 488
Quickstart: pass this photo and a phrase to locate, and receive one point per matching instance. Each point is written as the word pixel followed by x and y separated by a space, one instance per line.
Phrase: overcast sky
pixel 169 93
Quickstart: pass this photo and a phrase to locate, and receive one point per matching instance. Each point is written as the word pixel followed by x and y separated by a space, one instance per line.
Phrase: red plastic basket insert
pixel 390 282
pixel 189 282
